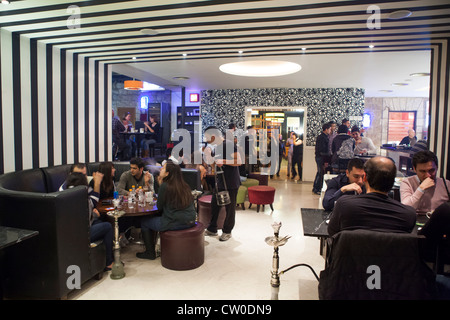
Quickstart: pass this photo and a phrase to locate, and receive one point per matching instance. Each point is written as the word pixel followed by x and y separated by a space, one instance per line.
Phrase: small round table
pixel 117 271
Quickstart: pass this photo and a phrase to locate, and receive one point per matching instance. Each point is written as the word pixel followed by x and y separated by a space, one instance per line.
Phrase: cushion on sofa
pixel 31 180
pixel 55 176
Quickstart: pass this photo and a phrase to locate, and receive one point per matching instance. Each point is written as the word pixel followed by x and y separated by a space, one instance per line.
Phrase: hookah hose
pixel 301 265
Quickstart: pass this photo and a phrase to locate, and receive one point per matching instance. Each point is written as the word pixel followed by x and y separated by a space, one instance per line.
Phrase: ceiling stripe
pixel 110 30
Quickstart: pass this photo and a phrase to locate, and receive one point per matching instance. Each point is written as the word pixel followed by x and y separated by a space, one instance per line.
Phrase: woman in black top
pixel 107 186
pixel 152 137
pixel 297 156
pixel 176 203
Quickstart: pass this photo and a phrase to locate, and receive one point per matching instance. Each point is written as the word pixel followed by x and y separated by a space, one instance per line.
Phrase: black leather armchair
pixel 191 176
pixel 352 256
pixel 38 267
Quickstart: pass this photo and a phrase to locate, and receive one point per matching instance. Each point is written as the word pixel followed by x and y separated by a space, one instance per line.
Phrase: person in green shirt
pixel 176 204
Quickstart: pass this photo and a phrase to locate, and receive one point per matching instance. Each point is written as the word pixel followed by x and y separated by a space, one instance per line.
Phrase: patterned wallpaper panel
pixel 225 106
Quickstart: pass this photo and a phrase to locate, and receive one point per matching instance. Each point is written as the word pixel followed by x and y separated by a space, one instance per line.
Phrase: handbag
pixel 222 197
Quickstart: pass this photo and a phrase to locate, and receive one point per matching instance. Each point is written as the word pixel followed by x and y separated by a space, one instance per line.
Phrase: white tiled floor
pixel 237 269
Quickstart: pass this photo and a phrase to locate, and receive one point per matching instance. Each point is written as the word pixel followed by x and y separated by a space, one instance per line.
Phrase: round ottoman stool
pixel 240 198
pixel 261 195
pixel 183 249
pixel 204 212
pixel 250 182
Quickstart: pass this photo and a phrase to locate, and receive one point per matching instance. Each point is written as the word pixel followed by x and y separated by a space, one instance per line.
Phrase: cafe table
pixel 108 209
pixel 315 224
pixel 11 236
pixel 139 136
pixel 8 237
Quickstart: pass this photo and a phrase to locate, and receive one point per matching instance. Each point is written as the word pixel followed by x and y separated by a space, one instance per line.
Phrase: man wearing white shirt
pixel 362 144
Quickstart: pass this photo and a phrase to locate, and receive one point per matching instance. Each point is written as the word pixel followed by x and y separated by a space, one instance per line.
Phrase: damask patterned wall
pixel 222 107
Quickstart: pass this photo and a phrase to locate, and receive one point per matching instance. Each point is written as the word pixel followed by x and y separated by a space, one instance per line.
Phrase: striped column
pixel 55 106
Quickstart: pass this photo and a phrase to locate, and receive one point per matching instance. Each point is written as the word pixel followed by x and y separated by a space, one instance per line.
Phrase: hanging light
pixel 133 85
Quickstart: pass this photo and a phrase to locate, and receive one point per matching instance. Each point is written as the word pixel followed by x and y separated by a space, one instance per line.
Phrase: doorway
pixel 285 119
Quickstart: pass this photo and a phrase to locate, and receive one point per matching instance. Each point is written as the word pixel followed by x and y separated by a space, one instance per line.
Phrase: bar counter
pixel 401 157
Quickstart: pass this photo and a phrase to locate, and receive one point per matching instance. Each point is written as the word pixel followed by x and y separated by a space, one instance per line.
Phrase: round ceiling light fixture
pixel 180 78
pixel 419 74
pixel 263 68
pixel 399 14
pixel 149 32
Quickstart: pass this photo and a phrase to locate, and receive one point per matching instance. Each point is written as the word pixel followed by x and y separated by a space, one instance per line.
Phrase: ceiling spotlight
pixel 371 46
pixel 5 2
pixel 134 58
pixel 149 32
pixel 303 49
pixel 399 14
pixel 240 52
pixel 184 54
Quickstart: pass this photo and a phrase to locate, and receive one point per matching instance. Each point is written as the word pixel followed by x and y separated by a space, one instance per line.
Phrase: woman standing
pixel 126 122
pixel 290 144
pixel 177 205
pixel 297 156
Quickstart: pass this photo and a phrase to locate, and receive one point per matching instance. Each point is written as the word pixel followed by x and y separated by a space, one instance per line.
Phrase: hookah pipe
pixel 276 242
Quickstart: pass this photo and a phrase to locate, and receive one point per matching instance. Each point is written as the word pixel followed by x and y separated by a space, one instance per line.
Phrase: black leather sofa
pixel 38 267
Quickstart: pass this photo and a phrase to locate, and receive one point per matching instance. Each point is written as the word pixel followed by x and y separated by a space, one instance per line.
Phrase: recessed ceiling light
pixel 419 74
pixel 263 68
pixel 386 90
pixel 149 32
pixel 399 84
pixel 399 14
pixel 180 78
pixel 5 2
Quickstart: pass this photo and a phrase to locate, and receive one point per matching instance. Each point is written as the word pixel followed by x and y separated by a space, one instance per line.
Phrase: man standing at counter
pixel 424 191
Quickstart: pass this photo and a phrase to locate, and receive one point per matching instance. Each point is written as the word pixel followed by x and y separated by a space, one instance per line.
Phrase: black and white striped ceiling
pixel 112 31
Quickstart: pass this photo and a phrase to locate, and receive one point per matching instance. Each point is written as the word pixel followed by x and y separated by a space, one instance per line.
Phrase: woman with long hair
pixel 177 205
pixel 107 186
pixel 98 229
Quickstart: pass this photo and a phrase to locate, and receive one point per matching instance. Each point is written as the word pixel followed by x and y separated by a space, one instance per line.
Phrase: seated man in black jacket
pixel 373 210
pixel 352 182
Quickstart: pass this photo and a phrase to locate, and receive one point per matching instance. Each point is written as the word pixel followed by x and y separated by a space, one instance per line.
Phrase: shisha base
pixel 276 242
